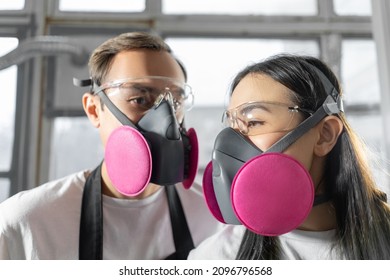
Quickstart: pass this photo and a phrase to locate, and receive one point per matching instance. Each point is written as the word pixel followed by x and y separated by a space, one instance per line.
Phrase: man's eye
pixel 141 103
pixel 138 100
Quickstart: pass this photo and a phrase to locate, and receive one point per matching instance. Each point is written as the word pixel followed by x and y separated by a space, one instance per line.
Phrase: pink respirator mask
pixel 155 150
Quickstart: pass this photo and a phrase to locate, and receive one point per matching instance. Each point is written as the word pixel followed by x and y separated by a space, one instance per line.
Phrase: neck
pixel 109 189
pixel 322 217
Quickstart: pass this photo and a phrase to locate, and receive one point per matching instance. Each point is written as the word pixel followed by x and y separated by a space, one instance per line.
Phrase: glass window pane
pixel 212 63
pixel 102 6
pixel 369 128
pixel 75 146
pixel 359 72
pixel 4 189
pixel 241 7
pixel 62 69
pixel 352 7
pixel 361 88
pixel 7 105
pixel 11 4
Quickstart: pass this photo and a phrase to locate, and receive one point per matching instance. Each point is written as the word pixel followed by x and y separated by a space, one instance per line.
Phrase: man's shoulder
pixel 55 187
pixel 72 181
pixel 44 198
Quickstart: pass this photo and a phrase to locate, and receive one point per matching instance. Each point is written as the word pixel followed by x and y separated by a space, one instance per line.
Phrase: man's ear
pixel 329 130
pixel 91 105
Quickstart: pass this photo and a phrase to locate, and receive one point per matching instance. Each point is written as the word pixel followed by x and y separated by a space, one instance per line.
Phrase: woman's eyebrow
pixel 258 105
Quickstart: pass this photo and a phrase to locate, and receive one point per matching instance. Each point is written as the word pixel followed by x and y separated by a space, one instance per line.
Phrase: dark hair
pixel 102 56
pixel 363 216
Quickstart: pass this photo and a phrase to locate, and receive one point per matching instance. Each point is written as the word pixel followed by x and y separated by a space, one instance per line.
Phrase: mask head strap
pixel 330 90
pixel 94 88
pixel 332 105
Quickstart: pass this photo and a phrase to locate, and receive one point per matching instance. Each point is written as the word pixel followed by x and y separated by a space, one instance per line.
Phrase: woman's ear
pixel 329 130
pixel 91 107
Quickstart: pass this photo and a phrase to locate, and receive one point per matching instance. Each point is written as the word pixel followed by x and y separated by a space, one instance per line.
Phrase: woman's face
pixel 265 122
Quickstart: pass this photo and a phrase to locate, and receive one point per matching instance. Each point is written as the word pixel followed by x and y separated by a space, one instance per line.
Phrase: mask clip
pixel 332 106
pixel 167 95
pixel 82 83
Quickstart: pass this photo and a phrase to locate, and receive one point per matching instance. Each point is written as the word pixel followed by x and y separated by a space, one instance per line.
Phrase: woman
pixel 291 170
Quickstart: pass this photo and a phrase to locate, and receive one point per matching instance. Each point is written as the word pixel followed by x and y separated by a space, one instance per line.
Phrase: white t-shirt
pixel 44 223
pixel 223 245
pixel 297 244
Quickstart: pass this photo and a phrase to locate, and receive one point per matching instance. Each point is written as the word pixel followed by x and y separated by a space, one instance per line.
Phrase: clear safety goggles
pixel 254 118
pixel 141 94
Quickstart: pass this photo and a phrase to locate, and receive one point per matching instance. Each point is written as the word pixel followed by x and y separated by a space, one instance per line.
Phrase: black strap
pixel 181 233
pixel 91 221
pixel 115 111
pixel 91 229
pixel 329 107
pixel 300 130
pixel 321 198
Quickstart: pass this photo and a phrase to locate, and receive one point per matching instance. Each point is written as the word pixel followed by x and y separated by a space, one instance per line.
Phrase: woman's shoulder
pixel 223 245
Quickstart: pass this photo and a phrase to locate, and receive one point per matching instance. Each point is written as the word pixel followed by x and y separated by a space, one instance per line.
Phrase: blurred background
pixel 45 135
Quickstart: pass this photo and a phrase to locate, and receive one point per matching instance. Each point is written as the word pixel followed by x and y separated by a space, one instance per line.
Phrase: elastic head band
pixel 330 91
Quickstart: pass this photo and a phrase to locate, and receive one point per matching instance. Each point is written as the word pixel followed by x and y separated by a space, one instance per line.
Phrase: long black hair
pixel 362 214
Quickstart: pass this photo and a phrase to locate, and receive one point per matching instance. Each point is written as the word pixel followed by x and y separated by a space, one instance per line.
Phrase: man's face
pixel 136 64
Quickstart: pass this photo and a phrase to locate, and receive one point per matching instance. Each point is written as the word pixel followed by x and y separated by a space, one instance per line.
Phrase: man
pixel 133 205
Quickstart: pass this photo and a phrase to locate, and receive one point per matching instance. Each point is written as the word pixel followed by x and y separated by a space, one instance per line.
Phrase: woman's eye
pixel 255 123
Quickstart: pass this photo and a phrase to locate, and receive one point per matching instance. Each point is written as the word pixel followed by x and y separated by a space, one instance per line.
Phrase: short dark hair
pixel 102 56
